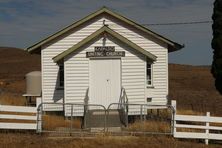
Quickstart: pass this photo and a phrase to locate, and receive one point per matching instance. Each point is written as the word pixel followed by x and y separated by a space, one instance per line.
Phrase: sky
pixel 25 22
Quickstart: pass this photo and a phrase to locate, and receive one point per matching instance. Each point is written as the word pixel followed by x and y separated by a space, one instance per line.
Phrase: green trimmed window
pixel 61 75
pixel 149 73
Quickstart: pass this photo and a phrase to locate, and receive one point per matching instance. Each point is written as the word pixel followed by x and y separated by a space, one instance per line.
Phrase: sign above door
pixel 105 51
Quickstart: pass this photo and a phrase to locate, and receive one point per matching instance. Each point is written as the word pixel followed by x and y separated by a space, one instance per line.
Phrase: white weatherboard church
pixel 100 54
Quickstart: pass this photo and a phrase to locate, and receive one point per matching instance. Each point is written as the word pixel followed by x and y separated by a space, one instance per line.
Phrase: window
pixel 61 75
pixel 148 99
pixel 148 73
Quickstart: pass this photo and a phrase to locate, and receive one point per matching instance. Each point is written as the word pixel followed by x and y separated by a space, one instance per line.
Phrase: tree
pixel 216 44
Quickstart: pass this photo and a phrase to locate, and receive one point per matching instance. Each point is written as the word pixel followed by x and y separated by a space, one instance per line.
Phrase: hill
pixel 192 86
pixel 14 64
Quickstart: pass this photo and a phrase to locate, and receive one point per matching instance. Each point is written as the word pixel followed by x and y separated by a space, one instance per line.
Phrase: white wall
pixel 133 77
pixel 159 91
pixel 133 73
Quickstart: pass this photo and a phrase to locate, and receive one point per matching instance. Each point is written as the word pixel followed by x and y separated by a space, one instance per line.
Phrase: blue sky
pixel 24 22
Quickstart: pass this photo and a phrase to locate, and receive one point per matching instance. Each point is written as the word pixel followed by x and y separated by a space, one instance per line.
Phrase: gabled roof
pixel 172 46
pixel 104 30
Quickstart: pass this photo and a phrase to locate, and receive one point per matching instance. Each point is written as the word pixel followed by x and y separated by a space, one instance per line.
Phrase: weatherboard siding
pixel 50 68
pixel 133 70
pixel 159 91
pixel 50 93
pixel 132 76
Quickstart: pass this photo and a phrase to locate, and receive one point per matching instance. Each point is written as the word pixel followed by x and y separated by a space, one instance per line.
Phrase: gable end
pixel 173 46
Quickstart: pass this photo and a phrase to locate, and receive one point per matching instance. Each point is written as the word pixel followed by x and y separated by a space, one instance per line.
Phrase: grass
pixel 150 126
pixel 189 112
pixel 12 99
pixel 55 122
pixel 23 140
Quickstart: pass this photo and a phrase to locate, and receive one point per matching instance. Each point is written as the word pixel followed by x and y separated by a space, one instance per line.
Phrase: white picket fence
pixel 195 124
pixel 14 121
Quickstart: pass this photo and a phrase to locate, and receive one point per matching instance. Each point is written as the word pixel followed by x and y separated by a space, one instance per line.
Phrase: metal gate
pixel 94 118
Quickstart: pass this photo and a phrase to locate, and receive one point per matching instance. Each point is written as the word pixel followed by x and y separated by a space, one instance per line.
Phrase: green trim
pixel 173 45
pixel 94 35
pixel 66 29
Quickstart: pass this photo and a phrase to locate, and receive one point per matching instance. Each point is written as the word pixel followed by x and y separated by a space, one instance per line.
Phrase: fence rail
pixel 15 118
pixel 19 117
pixel 197 127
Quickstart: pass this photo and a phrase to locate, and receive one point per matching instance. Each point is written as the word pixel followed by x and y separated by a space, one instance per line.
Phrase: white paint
pixel 77 73
pixel 18 117
pixel 133 66
pixel 18 109
pixel 197 135
pixel 24 109
pixel 104 87
pixel 26 126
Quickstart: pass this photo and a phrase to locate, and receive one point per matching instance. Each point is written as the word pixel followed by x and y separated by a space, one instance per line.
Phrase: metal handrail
pixel 86 99
pixel 86 102
pixel 123 101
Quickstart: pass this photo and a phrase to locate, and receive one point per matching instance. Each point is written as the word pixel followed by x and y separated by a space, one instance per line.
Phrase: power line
pixel 181 23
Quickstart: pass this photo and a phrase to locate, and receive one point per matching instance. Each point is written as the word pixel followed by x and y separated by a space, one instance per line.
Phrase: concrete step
pixel 109 129
pixel 97 118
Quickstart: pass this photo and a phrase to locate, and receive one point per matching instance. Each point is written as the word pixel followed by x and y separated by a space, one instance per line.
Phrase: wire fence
pixel 81 119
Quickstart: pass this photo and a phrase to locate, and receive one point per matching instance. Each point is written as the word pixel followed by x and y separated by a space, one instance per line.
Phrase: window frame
pixel 148 62
pixel 149 99
pixel 60 84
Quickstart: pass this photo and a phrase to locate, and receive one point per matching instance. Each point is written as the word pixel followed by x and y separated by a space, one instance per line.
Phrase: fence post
pixel 141 117
pixel 141 110
pixel 84 117
pixel 207 128
pixel 39 114
pixel 173 121
pixel 127 118
pixel 71 117
pixel 105 120
pixel 144 117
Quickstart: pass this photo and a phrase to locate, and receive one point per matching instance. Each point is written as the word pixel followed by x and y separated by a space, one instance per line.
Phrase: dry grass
pixel 193 88
pixel 17 113
pixel 35 141
pixel 150 126
pixel 189 112
pixel 163 113
pixel 12 99
pixel 16 121
pixel 190 130
pixel 54 122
